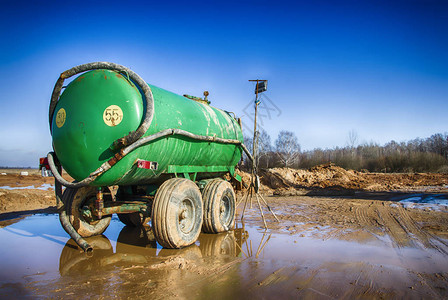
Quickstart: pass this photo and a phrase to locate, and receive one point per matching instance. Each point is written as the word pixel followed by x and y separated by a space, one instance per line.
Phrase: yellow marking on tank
pixel 60 117
pixel 113 115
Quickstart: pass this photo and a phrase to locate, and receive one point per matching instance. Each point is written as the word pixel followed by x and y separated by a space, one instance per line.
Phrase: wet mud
pixel 363 246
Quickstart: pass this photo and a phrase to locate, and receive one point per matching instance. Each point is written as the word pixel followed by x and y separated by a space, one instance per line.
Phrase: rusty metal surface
pixel 120 207
pixel 99 203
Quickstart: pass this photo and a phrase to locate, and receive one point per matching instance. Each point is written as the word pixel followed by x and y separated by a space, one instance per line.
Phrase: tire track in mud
pixel 379 216
pixel 432 283
pixel 376 218
pixel 401 228
pixel 364 218
pixel 348 219
pixel 398 224
pixel 416 232
pixel 394 227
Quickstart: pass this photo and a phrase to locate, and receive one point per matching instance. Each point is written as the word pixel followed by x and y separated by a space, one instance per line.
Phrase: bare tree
pixel 438 143
pixel 352 138
pixel 288 148
pixel 246 163
pixel 264 146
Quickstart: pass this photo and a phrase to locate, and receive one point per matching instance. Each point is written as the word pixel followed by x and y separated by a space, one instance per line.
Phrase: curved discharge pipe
pixel 68 227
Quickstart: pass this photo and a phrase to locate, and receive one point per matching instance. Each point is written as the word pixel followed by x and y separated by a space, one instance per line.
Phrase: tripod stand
pixel 255 180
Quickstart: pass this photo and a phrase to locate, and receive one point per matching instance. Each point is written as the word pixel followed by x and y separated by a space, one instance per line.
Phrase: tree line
pixel 417 155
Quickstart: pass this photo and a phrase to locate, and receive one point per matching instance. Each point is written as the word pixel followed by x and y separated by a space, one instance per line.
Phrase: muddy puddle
pixel 425 201
pixel 312 253
pixel 43 187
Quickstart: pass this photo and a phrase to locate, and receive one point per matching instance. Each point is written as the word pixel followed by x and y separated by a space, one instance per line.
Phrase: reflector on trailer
pixel 44 167
pixel 144 164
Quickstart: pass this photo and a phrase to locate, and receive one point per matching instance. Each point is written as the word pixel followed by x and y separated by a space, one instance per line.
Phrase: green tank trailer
pixel 168 154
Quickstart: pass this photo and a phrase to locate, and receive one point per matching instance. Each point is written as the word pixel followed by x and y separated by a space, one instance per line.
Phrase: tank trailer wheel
pixel 219 206
pixel 76 200
pixel 133 219
pixel 177 213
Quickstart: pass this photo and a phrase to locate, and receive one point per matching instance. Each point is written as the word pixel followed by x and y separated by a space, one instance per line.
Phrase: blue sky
pixel 378 67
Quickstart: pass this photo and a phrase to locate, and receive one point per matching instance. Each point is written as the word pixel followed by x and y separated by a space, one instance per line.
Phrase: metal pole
pixel 254 176
pixel 255 140
pixel 255 144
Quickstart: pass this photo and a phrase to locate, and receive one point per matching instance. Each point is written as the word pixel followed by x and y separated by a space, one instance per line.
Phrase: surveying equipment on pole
pixel 260 87
pixel 254 186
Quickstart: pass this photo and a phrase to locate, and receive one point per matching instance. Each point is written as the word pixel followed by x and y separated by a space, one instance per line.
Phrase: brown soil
pixel 14 179
pixel 18 200
pixel 392 251
pixel 21 200
pixel 325 178
pixel 358 219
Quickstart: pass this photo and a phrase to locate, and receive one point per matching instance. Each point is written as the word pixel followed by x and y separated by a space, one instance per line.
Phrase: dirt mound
pixel 319 176
pixel 21 200
pixel 331 178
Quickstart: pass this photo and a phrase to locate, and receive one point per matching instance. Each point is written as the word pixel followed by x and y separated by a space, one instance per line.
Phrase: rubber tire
pixel 214 193
pixel 134 219
pixel 74 200
pixel 166 212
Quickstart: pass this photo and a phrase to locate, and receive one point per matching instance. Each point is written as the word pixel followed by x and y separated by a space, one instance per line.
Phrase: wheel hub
pixel 186 216
pixel 224 209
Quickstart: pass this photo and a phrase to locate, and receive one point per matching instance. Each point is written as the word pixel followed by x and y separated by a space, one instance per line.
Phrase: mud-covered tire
pixel 219 206
pixel 75 200
pixel 133 219
pixel 177 213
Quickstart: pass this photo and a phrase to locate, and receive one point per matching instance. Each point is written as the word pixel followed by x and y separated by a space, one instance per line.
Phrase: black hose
pixel 193 136
pixel 170 131
pixel 131 137
pixel 58 177
pixel 108 164
pixel 72 232
pixel 65 222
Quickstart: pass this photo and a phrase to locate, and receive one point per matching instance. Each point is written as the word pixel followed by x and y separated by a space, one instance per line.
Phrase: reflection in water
pixel 138 246
pixel 74 260
pixel 214 245
pixel 244 263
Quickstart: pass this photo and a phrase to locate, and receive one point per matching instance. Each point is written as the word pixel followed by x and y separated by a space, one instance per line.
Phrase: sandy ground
pixel 324 180
pixel 361 219
pixel 360 243
pixel 30 197
pixel 331 179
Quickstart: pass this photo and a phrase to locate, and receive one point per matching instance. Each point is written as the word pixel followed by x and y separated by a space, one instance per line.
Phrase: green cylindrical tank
pixel 101 106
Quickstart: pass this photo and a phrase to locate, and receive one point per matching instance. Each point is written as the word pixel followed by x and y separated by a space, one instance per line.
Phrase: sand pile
pixel 329 177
